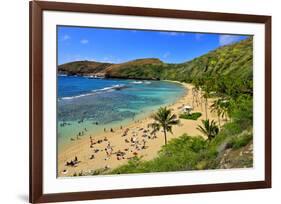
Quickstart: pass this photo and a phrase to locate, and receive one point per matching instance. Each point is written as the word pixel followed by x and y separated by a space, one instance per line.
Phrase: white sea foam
pixel 136 82
pixel 141 82
pixel 106 89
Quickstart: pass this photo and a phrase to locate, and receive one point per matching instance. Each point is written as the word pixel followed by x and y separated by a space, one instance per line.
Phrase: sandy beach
pixel 100 151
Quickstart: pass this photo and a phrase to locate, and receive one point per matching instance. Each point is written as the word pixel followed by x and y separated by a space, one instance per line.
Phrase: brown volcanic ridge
pixel 100 69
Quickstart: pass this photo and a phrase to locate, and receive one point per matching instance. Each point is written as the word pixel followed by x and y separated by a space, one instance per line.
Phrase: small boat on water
pixel 95 77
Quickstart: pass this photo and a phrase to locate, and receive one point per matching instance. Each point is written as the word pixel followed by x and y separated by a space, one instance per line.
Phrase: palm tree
pixel 206 95
pixel 197 87
pixel 225 108
pixel 193 96
pixel 209 129
pixel 217 107
pixel 164 119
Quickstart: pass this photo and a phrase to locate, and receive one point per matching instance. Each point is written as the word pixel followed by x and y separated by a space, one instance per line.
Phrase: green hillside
pixel 226 74
pixel 234 60
pixel 231 60
pixel 82 68
pixel 136 69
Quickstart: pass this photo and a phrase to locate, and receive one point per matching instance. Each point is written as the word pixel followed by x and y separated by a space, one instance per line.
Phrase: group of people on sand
pixel 64 124
pixel 136 140
pixel 136 144
pixel 81 120
pixel 79 134
pixel 108 149
pixel 82 133
pixel 73 162
pixel 111 129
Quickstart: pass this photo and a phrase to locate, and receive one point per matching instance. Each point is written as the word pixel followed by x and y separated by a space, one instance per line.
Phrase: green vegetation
pixel 196 153
pixel 229 65
pixel 240 141
pixel 82 67
pixel 209 129
pixel 164 119
pixel 179 154
pixel 187 153
pixel 226 74
pixel 219 106
pixel 192 116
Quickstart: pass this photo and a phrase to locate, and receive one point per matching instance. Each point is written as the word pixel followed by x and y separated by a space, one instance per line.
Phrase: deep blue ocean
pixel 109 102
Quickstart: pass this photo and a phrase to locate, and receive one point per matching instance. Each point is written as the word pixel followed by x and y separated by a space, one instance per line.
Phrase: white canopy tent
pixel 187 109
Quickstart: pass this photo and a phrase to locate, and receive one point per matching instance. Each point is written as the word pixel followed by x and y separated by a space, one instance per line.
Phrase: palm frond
pixel 164 119
pixel 209 129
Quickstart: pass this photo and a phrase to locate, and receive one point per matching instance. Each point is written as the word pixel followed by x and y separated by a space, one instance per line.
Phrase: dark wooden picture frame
pixel 36 100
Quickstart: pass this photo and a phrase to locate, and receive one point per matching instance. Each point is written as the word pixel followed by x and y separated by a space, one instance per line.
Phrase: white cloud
pixel 172 33
pixel 65 37
pixel 84 41
pixel 228 39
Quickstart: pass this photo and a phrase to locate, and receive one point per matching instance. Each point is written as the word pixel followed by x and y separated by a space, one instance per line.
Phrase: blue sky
pixel 117 46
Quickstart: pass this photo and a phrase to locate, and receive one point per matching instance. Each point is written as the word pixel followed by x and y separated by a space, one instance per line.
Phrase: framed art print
pixel 128 101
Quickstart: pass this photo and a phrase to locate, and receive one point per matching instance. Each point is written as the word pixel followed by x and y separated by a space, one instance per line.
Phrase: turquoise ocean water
pixel 96 104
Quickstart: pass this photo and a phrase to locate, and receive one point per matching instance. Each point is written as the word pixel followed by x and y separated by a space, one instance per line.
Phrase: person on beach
pixel 144 143
pixel 72 162
pixel 92 142
pixel 108 149
pixel 133 139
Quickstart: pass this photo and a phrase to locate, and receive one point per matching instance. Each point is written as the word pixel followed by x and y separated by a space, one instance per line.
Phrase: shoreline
pixel 84 151
pixel 99 129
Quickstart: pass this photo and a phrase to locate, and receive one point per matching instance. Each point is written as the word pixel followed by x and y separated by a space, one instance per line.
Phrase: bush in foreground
pixel 240 141
pixel 192 116
pixel 179 154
